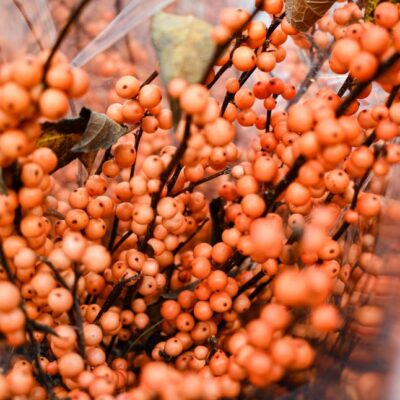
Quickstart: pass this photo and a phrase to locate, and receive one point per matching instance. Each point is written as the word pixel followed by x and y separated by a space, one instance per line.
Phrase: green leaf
pixel 101 132
pixel 3 186
pixel 184 48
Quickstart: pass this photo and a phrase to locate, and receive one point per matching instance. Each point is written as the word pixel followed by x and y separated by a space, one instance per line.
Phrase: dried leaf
pixel 61 136
pixel 62 143
pixel 184 48
pixel 3 186
pixel 101 132
pixel 303 14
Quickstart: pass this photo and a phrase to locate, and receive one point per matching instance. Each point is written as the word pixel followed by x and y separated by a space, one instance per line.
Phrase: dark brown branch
pixel 383 67
pixel 191 236
pixel 73 18
pixel 164 177
pixel 138 136
pixel 174 178
pixel 260 288
pixel 246 75
pixel 222 47
pixel 113 296
pixel 346 85
pixel 271 197
pixel 150 78
pixel 321 57
pixel 192 185
pixel 56 272
pixel 124 237
pixel 77 313
pixel 29 23
pixel 250 283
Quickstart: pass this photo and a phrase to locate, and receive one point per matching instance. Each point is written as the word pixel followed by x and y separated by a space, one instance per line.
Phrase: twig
pixel 143 334
pixel 174 178
pixel 164 177
pixel 113 296
pixel 192 185
pixel 191 236
pixel 346 85
pixel 56 272
pixel 113 235
pixel 222 47
pixel 250 283
pixel 150 78
pixel 121 241
pixel 29 23
pixel 392 95
pixel 138 136
pixel 246 75
pixel 260 288
pixel 217 214
pixel 383 67
pixel 321 57
pixel 127 40
pixel 291 175
pixel 51 212
pixel 77 312
pixel 73 18
pixel 269 116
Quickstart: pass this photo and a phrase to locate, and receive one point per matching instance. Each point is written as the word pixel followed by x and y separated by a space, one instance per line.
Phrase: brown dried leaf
pixel 303 14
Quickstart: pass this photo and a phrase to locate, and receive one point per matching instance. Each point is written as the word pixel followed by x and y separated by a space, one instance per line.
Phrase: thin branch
pixel 142 335
pixel 346 85
pixel 77 313
pixel 56 272
pixel 174 178
pixel 191 236
pixel 73 18
pixel 383 67
pixel 260 288
pixel 222 47
pixel 321 56
pixel 192 185
pixel 124 237
pixel 106 157
pixel 29 23
pixel 271 197
pixel 250 283
pixel 150 78
pixel 164 177
pixel 138 136
pixel 246 75
pixel 113 296
pixel 392 96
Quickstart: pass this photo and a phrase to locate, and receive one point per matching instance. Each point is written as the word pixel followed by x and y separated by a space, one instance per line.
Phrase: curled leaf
pixel 101 132
pixel 62 143
pixel 303 14
pixel 184 48
pixel 61 136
